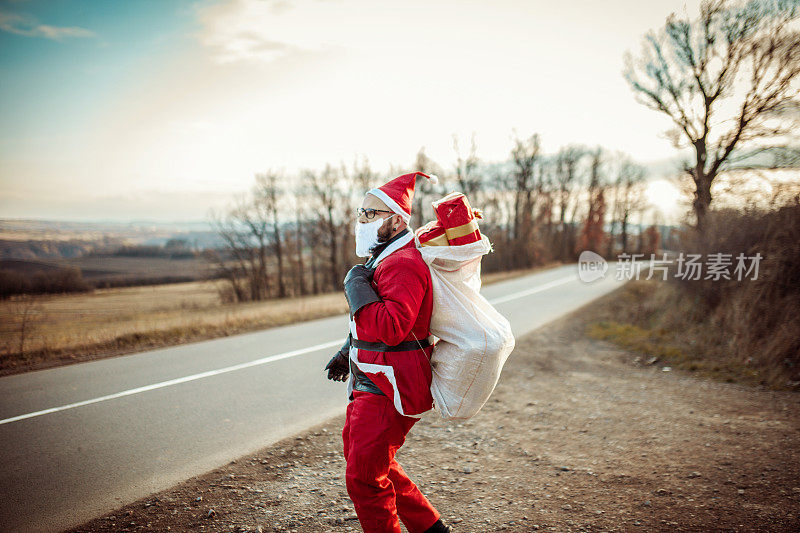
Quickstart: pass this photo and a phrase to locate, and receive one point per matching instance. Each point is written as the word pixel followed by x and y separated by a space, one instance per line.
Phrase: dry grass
pixel 71 328
pixel 661 322
pixel 737 330
pixel 112 321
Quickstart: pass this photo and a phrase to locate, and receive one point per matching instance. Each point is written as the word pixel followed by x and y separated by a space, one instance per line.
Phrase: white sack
pixel 474 339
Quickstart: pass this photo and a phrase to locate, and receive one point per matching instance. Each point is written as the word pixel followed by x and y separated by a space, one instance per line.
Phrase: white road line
pixel 248 364
pixel 534 290
pixel 175 381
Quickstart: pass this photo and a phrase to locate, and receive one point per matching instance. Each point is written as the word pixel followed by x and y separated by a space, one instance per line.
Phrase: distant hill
pixel 44 249
pixel 105 254
pixel 115 271
pixel 27 267
pixel 54 239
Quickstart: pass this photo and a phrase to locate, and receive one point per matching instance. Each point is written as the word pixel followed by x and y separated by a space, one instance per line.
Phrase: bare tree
pixel 238 261
pixel 467 176
pixel 524 156
pixel 352 182
pixel 253 235
pixel 268 195
pixel 333 206
pixel 365 178
pixel 544 192
pixel 257 217
pixel 567 165
pixel 27 311
pixel 497 205
pixel 315 240
pixel 300 213
pixel 422 195
pixel 720 79
pixel 616 215
pixel 593 234
pixel 628 195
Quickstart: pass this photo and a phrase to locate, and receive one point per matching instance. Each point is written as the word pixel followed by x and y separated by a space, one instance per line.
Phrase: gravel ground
pixel 576 437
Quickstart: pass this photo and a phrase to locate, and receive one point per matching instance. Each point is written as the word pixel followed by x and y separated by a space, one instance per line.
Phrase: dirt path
pixel 575 438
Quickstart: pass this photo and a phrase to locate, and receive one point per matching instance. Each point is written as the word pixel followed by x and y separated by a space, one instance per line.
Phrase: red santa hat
pixel 398 194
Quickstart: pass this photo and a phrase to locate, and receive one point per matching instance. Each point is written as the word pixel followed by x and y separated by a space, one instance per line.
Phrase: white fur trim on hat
pixel 433 178
pixel 391 204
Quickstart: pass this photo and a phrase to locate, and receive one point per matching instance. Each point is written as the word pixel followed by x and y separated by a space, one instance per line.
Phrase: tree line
pixel 292 235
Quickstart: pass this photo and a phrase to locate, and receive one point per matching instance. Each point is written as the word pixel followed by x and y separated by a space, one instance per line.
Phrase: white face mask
pixel 367 236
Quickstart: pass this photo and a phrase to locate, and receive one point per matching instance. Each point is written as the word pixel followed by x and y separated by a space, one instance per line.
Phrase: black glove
pixel 357 288
pixel 339 366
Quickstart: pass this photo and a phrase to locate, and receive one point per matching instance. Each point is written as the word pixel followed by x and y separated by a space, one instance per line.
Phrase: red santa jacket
pixel 402 280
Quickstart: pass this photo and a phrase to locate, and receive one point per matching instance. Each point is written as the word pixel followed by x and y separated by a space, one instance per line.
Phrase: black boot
pixel 438 527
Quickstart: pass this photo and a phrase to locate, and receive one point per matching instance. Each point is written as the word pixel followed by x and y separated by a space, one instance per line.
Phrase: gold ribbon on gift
pixel 441 240
pixel 462 230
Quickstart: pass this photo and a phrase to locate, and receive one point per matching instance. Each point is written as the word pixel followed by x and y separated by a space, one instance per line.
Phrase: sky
pixel 163 109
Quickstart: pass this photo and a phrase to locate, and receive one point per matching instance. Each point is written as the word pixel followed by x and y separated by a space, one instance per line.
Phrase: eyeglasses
pixel 370 213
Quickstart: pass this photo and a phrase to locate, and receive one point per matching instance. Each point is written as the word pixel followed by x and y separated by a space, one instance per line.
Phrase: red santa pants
pixel 379 488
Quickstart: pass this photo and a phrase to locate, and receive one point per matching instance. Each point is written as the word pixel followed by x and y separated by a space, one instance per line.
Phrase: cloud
pixel 244 30
pixel 29 26
pixel 258 31
pixel 247 45
pixel 265 31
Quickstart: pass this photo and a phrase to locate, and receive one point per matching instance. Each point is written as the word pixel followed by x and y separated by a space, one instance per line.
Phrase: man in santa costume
pixel 387 358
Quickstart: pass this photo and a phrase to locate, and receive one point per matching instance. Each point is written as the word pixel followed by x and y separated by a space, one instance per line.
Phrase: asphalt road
pixel 79 441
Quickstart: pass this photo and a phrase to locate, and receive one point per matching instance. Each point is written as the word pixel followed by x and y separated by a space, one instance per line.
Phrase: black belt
pixel 362 382
pixel 405 346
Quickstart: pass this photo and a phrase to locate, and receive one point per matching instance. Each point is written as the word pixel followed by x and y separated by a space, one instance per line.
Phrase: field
pixel 109 270
pixel 76 327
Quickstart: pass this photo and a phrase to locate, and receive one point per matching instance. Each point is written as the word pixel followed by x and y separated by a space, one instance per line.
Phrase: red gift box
pixel 456 216
pixel 432 234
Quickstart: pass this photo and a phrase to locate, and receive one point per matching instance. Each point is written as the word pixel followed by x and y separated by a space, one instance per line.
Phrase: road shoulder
pixel 575 437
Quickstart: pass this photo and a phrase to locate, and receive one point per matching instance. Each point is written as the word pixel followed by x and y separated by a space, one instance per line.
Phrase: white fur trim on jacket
pixel 394 246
